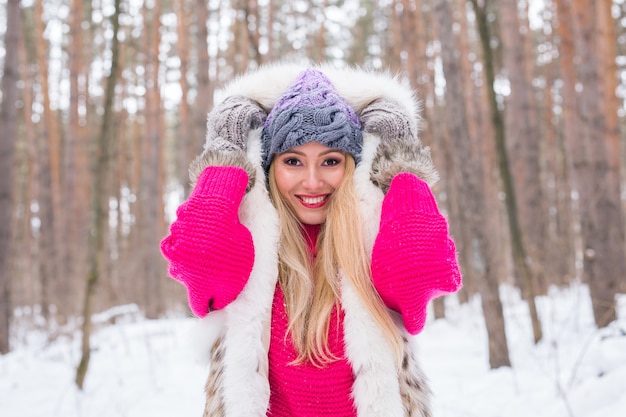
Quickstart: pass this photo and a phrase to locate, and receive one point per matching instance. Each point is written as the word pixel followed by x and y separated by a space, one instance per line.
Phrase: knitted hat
pixel 311 111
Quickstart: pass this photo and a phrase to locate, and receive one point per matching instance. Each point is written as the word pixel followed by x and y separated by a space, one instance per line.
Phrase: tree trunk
pixel 150 194
pixel 185 136
pixel 399 37
pixel 439 308
pixel 8 120
pixel 571 111
pixel 318 48
pixel 608 51
pixel 238 54
pixel 99 203
pixel 52 133
pixel 596 171
pixel 255 34
pixel 75 193
pixel 469 177
pixel 469 91
pixel 204 100
pixel 31 261
pixel 560 235
pixel 524 140
pixel 415 44
pixel 47 248
pixel 269 30
pixel 519 251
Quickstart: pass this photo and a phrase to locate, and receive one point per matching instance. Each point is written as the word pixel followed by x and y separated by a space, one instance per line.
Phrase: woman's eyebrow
pixel 304 154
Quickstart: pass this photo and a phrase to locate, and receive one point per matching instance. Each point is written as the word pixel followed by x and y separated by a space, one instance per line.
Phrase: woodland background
pixel 104 105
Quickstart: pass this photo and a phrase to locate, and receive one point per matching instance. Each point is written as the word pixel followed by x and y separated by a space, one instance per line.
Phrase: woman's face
pixel 306 177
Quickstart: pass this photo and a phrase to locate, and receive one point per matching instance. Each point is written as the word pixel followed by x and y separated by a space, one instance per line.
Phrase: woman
pixel 312 244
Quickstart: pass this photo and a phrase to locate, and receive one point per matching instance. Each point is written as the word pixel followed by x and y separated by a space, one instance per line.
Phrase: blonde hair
pixel 311 287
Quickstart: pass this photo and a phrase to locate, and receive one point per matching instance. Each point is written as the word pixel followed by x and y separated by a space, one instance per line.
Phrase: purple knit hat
pixel 311 111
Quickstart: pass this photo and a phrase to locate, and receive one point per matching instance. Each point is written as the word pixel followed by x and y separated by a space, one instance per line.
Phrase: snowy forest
pixel 104 104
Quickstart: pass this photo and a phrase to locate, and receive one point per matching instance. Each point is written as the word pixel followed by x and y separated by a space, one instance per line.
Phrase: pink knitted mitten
pixel 208 249
pixel 413 259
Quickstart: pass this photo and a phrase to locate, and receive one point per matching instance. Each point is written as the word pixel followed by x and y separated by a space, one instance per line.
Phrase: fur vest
pixel 237 336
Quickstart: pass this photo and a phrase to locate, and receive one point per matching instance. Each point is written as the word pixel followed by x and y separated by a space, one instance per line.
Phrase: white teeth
pixel 314 200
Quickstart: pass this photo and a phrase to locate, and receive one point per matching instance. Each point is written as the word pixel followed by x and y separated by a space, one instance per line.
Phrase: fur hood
pixel 237 337
pixel 357 87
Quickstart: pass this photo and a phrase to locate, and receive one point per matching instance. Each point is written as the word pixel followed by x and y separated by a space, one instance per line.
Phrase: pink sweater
pixel 413 261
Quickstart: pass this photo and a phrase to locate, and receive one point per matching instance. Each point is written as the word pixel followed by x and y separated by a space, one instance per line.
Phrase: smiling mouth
pixel 313 202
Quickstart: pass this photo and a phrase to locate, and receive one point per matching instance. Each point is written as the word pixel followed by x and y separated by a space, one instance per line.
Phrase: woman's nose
pixel 313 178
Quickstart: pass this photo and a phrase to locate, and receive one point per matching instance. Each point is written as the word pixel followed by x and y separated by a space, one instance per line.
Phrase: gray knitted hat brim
pixel 311 111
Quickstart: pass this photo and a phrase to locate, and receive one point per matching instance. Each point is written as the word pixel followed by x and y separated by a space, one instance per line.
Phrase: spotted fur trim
pixel 213 157
pixel 395 157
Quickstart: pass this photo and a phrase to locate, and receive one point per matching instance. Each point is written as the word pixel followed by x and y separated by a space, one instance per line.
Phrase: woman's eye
pixel 332 162
pixel 291 161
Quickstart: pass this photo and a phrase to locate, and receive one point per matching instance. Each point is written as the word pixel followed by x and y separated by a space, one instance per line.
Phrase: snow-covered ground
pixel 142 368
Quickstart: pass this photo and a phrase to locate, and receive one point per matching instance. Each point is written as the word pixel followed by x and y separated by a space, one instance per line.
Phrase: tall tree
pixel 596 167
pixel 8 133
pixel 519 251
pixel 204 97
pixel 318 47
pixel 469 182
pixel 185 139
pixel 608 51
pixel 239 46
pixel 75 189
pixel 561 126
pixel 150 191
pixel 397 17
pixel 99 202
pixel 52 133
pixel 254 19
pixel 30 241
pixel 48 160
pixel 524 141
pixel 361 33
pixel 269 32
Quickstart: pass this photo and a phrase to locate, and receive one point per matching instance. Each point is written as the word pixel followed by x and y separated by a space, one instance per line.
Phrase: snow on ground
pixel 145 368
